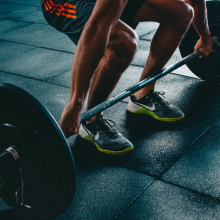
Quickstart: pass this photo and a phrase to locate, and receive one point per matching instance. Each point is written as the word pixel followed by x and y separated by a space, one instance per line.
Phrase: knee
pixel 123 44
pixel 184 17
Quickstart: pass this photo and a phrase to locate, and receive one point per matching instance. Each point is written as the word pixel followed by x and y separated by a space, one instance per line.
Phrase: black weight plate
pixel 207 68
pixel 46 163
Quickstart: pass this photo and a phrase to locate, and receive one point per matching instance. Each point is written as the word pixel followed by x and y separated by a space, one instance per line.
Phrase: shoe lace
pixel 106 125
pixel 157 96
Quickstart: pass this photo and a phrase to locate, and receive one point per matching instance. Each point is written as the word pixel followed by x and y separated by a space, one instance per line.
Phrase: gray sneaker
pixel 104 137
pixel 154 105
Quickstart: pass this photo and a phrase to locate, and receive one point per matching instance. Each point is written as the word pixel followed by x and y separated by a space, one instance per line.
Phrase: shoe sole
pixel 88 138
pixel 148 112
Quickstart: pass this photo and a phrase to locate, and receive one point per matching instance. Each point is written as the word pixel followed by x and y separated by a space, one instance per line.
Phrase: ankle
pixel 140 94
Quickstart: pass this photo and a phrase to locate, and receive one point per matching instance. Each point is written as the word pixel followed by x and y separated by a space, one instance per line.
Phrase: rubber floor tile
pixel 7 26
pixel 218 124
pixel 53 97
pixel 146 28
pixel 103 191
pixel 25 13
pixel 199 168
pixel 22 82
pixel 6 8
pixel 63 79
pixel 10 50
pixel 165 201
pixel 40 35
pixel 38 63
pixel 25 2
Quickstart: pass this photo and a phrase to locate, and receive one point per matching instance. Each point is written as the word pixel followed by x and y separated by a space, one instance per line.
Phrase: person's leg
pixel 174 18
pixel 119 54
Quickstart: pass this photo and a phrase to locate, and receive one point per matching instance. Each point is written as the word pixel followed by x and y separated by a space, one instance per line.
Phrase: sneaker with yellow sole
pixel 106 139
pixel 153 104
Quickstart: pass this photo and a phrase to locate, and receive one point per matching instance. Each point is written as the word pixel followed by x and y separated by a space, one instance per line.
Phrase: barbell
pixel 37 171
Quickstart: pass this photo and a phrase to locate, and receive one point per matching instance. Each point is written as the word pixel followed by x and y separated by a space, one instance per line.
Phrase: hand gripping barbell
pixel 209 68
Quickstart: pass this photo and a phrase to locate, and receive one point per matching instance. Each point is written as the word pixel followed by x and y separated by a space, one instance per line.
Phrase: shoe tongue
pixel 106 127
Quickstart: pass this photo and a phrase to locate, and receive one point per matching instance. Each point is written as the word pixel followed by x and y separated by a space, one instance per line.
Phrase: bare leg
pixel 174 18
pixel 118 55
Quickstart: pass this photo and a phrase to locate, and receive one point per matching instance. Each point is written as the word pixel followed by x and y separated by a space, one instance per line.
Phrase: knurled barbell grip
pixel 8 159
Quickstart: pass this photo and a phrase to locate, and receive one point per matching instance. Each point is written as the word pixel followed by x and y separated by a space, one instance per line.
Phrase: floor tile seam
pixel 173 73
pixel 4 59
pixel 31 22
pixel 209 187
pixel 13 3
pixel 134 199
pixel 135 65
pixel 27 77
pixel 56 84
pixel 148 40
pixel 46 48
pixel 15 29
pixel 32 78
pixel 189 147
pixel 124 102
pixel 143 35
pixel 185 188
pixel 209 124
pixel 157 178
pixel 58 75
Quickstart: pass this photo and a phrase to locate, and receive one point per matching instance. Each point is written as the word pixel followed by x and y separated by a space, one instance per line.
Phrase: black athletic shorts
pixel 70 16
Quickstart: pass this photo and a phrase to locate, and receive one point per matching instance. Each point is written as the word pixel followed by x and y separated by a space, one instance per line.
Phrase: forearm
pixel 89 51
pixel 200 21
pixel 91 46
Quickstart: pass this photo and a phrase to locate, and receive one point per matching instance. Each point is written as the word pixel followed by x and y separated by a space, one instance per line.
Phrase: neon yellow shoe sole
pixel 148 112
pixel 88 138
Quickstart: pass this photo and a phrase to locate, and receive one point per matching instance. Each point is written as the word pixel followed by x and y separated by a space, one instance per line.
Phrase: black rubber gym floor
pixel 174 170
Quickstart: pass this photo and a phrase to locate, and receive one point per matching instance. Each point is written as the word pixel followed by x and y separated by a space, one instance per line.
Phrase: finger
pixel 69 134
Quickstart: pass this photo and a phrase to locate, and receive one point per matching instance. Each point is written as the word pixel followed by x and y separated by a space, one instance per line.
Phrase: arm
pixel 93 42
pixel 89 51
pixel 200 22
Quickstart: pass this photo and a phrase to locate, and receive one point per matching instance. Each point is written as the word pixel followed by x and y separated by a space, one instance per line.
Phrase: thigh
pixel 129 12
pixel 161 10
